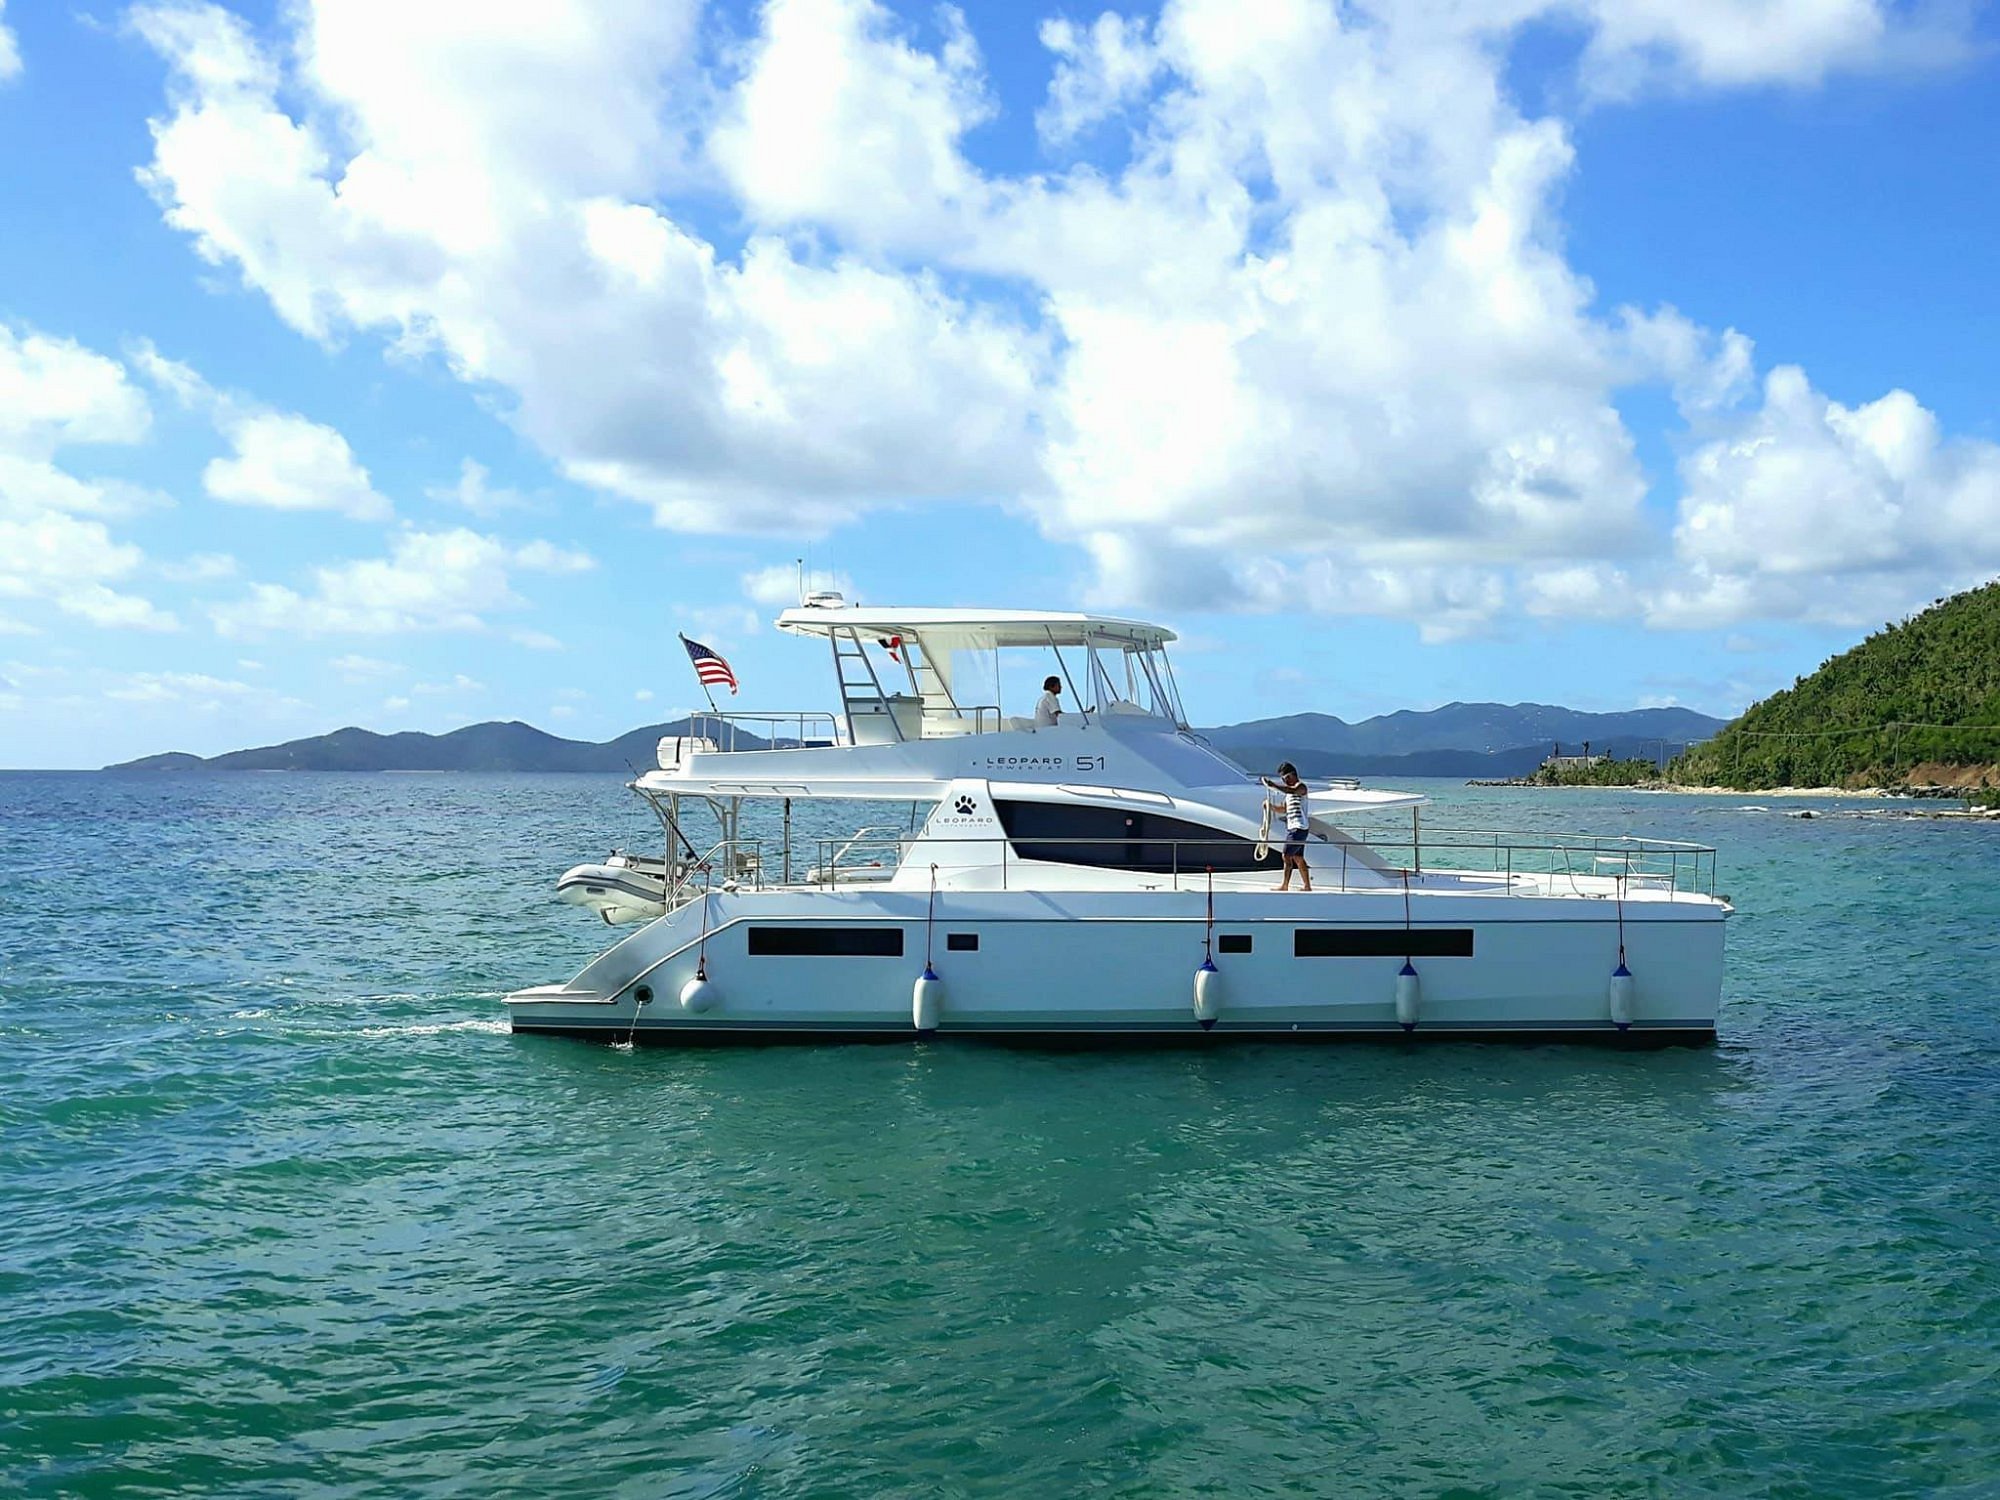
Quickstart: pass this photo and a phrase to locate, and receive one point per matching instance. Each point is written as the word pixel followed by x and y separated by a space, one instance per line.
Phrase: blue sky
pixel 406 366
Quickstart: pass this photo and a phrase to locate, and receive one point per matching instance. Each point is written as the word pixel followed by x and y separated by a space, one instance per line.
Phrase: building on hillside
pixel 1557 761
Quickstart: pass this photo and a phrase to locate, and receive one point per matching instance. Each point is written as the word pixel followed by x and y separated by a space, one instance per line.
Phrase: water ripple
pixel 285 1210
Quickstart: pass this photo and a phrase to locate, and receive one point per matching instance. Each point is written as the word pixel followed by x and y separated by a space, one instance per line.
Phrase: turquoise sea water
pixel 284 1210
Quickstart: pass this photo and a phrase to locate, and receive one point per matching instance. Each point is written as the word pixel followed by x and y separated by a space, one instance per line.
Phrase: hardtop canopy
pixel 975 628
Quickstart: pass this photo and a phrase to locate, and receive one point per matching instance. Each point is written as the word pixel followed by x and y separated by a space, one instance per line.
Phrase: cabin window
pixel 961 942
pixel 1382 942
pixel 1123 838
pixel 1232 942
pixel 828 940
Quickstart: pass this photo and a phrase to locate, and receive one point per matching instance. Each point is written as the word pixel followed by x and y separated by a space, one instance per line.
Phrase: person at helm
pixel 1048 708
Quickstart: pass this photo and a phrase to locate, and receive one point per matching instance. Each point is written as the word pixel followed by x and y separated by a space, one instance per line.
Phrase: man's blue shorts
pixel 1295 843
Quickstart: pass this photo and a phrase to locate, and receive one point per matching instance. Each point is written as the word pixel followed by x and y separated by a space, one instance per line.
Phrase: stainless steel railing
pixel 1462 861
pixel 818 727
pixel 1466 861
pixel 781 728
pixel 728 864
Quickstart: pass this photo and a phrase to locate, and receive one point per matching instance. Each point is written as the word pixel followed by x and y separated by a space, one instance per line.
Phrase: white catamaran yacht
pixel 1110 877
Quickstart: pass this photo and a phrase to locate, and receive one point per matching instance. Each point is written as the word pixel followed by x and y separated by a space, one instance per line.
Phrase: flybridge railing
pixel 780 728
pixel 1464 861
pixel 818 728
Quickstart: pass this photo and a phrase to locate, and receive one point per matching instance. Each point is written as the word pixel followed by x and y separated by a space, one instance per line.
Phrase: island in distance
pixel 1459 739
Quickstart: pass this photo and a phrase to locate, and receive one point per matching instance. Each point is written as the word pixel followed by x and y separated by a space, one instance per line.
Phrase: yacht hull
pixel 1078 968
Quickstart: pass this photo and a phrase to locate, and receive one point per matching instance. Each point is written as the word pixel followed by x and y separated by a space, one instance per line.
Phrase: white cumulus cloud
pixel 277 460
pixel 55 547
pixel 10 50
pixel 55 393
pixel 177 687
pixel 777 586
pixel 286 462
pixel 473 492
pixel 472 179
pixel 1802 506
pixel 1314 340
pixel 458 686
pixel 1100 69
pixel 431 580
pixel 360 668
pixel 201 567
pixel 840 121
pixel 1723 43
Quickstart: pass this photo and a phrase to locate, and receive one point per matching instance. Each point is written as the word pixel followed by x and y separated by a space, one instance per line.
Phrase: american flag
pixel 710 668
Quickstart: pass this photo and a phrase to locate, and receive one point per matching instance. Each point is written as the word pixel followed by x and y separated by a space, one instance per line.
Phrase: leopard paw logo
pixel 965 804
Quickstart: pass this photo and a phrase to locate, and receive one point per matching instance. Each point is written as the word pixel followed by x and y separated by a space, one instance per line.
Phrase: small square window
pixel 962 942
pixel 1232 942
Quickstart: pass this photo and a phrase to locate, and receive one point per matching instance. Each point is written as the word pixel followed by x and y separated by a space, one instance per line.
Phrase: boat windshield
pixel 1130 678
pixel 1100 674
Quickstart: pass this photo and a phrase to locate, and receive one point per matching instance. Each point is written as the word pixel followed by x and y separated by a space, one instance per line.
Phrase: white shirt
pixel 1047 711
pixel 1293 806
pixel 1295 811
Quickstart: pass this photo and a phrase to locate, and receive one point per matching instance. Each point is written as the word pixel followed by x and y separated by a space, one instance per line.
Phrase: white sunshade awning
pixel 1365 799
pixel 975 628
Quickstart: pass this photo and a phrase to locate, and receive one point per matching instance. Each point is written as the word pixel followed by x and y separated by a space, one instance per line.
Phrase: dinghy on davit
pixel 624 888
pixel 1105 878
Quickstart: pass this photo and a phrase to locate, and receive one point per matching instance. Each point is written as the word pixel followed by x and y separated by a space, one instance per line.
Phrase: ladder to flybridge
pixel 858 680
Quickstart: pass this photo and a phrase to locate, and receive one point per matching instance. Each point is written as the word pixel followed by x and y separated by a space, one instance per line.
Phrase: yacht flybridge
pixel 1107 877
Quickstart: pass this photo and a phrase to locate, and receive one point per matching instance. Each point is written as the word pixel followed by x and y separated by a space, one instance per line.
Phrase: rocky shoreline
pixel 1921 794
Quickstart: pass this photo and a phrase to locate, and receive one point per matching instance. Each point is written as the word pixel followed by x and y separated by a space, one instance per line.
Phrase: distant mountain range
pixel 1460 739
pixel 512 746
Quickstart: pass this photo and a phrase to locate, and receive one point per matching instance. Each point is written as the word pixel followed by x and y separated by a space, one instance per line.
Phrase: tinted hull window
pixel 1120 838
pixel 1382 942
pixel 830 941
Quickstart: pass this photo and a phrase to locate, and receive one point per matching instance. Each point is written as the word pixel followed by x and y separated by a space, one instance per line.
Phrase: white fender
pixel 1207 992
pixel 1624 996
pixel 697 995
pixel 1409 996
pixel 926 1000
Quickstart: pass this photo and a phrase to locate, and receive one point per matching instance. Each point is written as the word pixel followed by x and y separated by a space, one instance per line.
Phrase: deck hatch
pixel 827 940
pixel 1382 942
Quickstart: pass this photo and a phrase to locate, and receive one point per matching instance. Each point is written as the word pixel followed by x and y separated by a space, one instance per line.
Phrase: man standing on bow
pixel 1297 825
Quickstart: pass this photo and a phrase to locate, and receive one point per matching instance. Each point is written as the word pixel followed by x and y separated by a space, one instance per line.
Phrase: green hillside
pixel 1915 702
